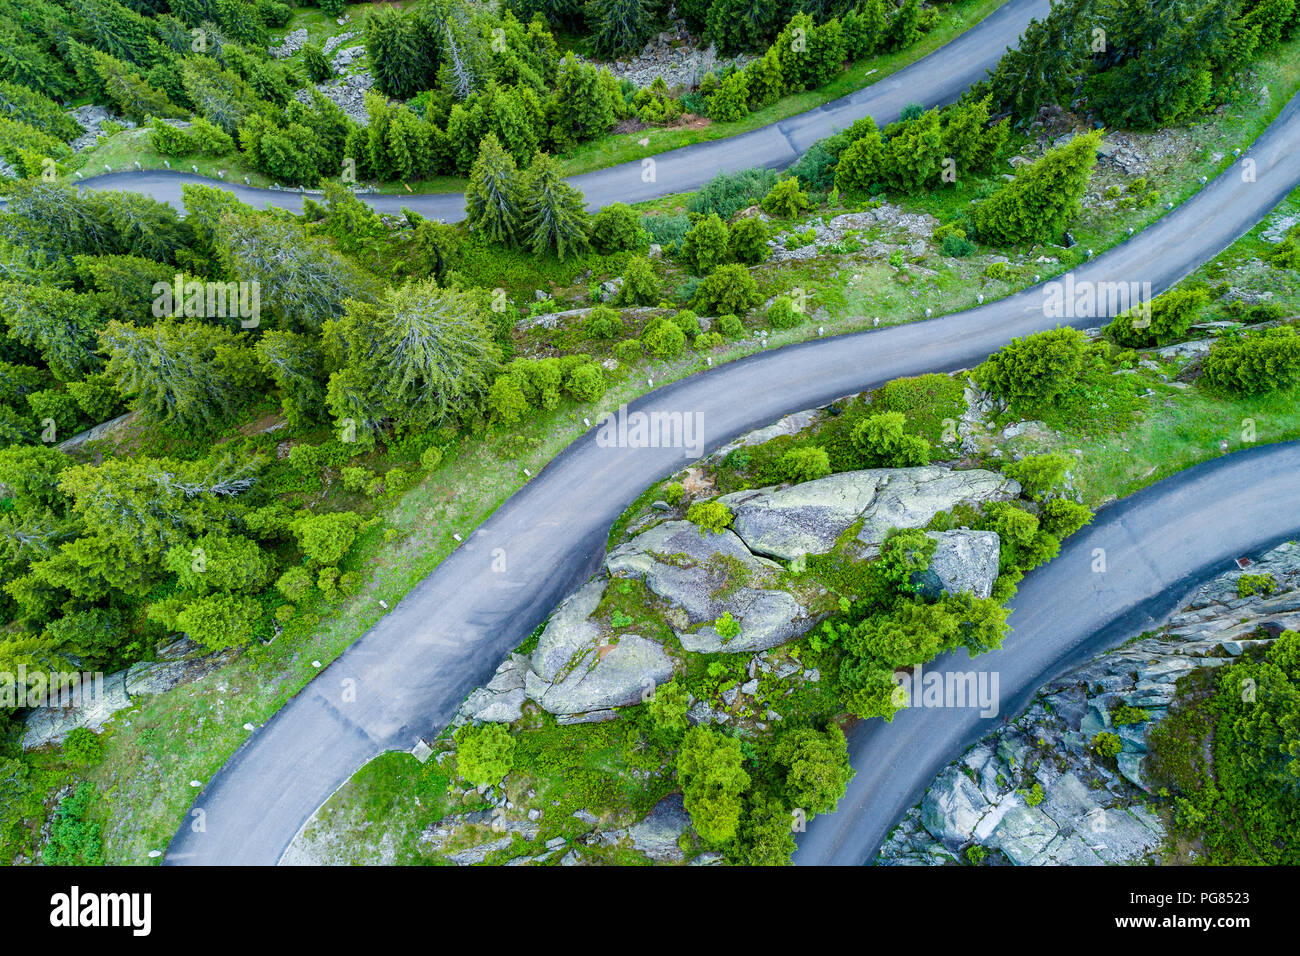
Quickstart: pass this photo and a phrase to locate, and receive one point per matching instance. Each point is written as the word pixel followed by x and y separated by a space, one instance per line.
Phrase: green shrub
pixel 1254 362
pixel 295 584
pixel 1038 367
pixel 640 284
pixel 586 382
pixel 484 755
pixel 882 442
pixel 667 231
pixel 1043 199
pixel 730 326
pixel 602 322
pixel 957 246
pixel 1165 319
pixel 1062 517
pixel 668 707
pixel 355 478
pixel 686 320
pixel 325 538
pixel 617 228
pixel 664 339
pixel 730 101
pixel 1039 475
pixel 728 193
pixel 318 65
pixel 1126 714
pixel 749 241
pixel 674 492
pixel 83 747
pixel 730 289
pixel 710 515
pixel 783 314
pixel 1251 584
pixel 786 200
pixel 726 626
pixel 1106 744
pixel 711 773
pixel 431 458
pixel 74 839
pixel 706 245
pixel 629 351
pixel 806 463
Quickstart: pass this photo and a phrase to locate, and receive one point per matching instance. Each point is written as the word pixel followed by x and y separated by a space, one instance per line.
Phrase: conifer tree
pixel 555 215
pixel 1039 204
pixel 494 197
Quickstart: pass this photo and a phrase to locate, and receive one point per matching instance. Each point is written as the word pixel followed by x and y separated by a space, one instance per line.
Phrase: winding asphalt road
pixel 935 80
pixel 1157 546
pixel 405 677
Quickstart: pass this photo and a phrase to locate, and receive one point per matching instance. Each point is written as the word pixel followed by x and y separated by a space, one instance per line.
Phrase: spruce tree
pixel 1041 201
pixel 493 199
pixel 555 215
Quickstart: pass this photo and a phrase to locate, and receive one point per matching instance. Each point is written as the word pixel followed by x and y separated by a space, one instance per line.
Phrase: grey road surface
pixel 1154 547
pixel 414 667
pixel 934 80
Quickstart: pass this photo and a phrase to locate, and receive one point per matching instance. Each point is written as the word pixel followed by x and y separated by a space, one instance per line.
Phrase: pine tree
pixel 555 215
pixel 914 153
pixel 130 92
pixel 1170 78
pixel 302 281
pixel 582 106
pixel 861 163
pixel 296 364
pixel 515 115
pixel 739 25
pixel 764 79
pixel 494 196
pixel 401 55
pixel 968 138
pixel 794 45
pixel 904 26
pixel 1046 65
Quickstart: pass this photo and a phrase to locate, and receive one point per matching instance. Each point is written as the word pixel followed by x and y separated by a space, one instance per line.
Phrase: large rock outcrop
pixel 706 574
pixel 1088 810
pixel 962 561
pixel 579 665
pixel 181 662
pixel 789 522
pixel 583 666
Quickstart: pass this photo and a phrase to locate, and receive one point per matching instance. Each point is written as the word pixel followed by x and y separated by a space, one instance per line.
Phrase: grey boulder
pixel 706 574
pixel 808 518
pixel 962 561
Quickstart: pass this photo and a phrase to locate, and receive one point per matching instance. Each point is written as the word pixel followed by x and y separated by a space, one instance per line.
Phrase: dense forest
pixel 395 334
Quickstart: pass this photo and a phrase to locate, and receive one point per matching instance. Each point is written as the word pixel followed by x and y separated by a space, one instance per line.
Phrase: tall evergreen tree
pixel 494 197
pixel 187 373
pixel 60 324
pixel 619 27
pixel 1039 204
pixel 421 356
pixel 555 215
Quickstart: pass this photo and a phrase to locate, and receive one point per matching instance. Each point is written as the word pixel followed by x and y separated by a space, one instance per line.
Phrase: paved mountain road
pixel 935 80
pixel 1157 546
pixel 413 668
